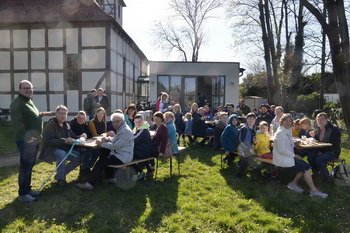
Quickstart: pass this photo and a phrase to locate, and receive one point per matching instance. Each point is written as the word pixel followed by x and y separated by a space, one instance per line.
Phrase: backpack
pixel 169 150
pixel 341 175
pixel 87 104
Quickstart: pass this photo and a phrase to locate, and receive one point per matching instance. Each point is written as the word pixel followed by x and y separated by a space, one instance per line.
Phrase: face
pixel 304 126
pixel 164 97
pixel 321 121
pixel 230 109
pixel 138 122
pixel 251 121
pixel 26 89
pixel 278 112
pixel 131 111
pixel 219 109
pixel 61 116
pixel 117 122
pixel 100 92
pixel 206 107
pixel 168 118
pixel 94 93
pixel 100 115
pixel 234 121
pixel 201 111
pixel 224 118
pixel 287 123
pixel 157 120
pixel 195 107
pixel 263 128
pixel 176 109
pixel 81 118
pixel 243 102
pixel 263 110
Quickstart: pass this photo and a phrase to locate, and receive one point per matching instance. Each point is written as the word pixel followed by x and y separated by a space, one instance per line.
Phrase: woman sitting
pixel 283 156
pixel 129 115
pixel 142 141
pixel 97 126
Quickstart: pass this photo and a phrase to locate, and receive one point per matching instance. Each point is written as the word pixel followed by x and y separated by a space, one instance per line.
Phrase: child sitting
pixel 188 126
pixel 296 128
pixel 262 141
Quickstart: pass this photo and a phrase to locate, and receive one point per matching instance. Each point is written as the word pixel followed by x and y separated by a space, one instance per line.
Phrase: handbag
pixel 341 175
pixel 169 150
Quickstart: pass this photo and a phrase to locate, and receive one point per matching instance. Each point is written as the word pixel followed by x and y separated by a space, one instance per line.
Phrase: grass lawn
pixel 7 145
pixel 204 198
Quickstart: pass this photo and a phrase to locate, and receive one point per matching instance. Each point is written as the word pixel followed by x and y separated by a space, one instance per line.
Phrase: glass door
pixel 189 93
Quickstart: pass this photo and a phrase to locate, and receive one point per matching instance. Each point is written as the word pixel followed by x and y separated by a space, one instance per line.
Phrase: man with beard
pixel 264 115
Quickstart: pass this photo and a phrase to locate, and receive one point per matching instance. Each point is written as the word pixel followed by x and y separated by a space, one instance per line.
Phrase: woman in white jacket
pixel 283 156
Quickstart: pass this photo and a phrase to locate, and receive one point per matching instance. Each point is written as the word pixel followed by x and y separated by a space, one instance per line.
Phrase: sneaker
pixel 26 198
pixel 85 186
pixel 318 193
pixel 34 193
pixel 109 181
pixel 295 188
pixel 139 176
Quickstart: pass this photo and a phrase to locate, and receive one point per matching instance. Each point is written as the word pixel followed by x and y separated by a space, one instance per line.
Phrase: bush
pixel 307 103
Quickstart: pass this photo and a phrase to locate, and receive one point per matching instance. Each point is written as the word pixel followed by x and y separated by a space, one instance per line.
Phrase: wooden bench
pixel 126 172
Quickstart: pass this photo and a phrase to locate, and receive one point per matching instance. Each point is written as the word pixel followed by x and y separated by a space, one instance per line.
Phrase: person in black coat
pixel 79 126
pixel 102 100
pixel 199 127
pixel 219 127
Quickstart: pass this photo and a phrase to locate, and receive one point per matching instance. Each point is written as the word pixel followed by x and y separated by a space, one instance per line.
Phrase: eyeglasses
pixel 27 88
pixel 116 121
pixel 81 118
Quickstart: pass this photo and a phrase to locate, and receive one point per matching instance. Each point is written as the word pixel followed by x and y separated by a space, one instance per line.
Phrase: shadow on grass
pixel 309 214
pixel 105 209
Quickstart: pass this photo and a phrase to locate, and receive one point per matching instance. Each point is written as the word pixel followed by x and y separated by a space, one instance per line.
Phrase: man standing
pixel 90 104
pixel 102 100
pixel 244 108
pixel 28 126
pixel 58 139
pixel 325 132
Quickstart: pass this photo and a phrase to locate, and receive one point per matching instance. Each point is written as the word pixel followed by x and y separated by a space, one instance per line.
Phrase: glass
pixel 163 84
pixel 190 86
pixel 175 88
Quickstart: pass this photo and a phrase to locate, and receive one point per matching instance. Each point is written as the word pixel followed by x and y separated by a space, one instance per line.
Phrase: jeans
pixel 102 164
pixel 321 163
pixel 28 152
pixel 64 168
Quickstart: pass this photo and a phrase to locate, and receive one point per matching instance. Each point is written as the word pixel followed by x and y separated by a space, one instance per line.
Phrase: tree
pixel 335 26
pixel 190 36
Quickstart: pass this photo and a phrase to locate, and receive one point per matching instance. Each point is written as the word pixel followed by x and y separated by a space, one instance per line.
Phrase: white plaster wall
pixel 93 58
pixel 38 38
pixel 55 60
pixel 20 38
pixel 55 100
pixel 90 79
pixel 18 77
pixel 72 41
pixel 94 36
pixel 73 100
pixel 5 101
pixel 20 60
pixel 5 39
pixel 55 37
pixel 41 103
pixel 5 82
pixel 38 59
pixel 39 81
pixel 56 82
pixel 113 81
pixel 5 60
pixel 113 40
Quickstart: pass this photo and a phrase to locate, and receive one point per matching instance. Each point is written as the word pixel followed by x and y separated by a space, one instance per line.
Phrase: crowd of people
pixel 126 136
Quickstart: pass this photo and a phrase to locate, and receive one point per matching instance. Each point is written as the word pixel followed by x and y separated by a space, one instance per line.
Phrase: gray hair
pixel 118 115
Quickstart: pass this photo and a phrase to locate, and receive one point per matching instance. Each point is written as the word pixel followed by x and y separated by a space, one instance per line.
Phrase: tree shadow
pixel 309 214
pixel 105 209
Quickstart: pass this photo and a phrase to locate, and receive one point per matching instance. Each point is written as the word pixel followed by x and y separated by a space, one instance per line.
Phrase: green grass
pixel 7 145
pixel 204 198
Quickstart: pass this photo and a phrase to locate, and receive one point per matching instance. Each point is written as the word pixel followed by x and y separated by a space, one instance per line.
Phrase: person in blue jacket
pixel 229 139
pixel 142 142
pixel 169 122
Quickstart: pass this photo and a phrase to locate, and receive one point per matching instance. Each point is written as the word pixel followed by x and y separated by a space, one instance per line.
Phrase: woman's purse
pixel 169 150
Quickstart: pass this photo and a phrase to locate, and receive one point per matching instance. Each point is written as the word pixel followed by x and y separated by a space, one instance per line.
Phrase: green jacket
pixel 25 118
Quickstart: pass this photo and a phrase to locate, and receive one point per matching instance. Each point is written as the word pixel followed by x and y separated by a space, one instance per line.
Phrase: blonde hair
pixel 305 121
pixel 177 106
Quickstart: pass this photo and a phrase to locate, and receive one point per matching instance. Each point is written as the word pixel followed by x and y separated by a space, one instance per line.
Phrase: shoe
pixel 295 188
pixel 61 183
pixel 26 198
pixel 139 176
pixel 85 186
pixel 34 193
pixel 109 181
pixel 318 193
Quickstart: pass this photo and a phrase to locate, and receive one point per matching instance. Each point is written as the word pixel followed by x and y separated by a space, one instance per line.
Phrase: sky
pixel 140 15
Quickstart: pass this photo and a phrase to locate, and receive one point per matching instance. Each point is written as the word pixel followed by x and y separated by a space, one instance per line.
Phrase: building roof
pixel 47 11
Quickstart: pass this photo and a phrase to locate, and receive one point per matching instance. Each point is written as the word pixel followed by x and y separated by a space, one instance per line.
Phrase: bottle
pixel 271 130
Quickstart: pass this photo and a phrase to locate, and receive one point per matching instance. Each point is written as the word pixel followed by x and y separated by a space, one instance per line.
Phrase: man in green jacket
pixel 28 126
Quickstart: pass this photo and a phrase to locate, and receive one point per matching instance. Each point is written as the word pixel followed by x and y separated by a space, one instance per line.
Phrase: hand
pixel 254 140
pixel 98 142
pixel 83 136
pixel 110 134
pixel 31 140
pixel 312 133
pixel 297 157
pixel 69 140
pixel 45 114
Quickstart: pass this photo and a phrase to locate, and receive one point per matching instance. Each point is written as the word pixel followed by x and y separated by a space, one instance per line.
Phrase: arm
pixel 92 129
pixel 51 138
